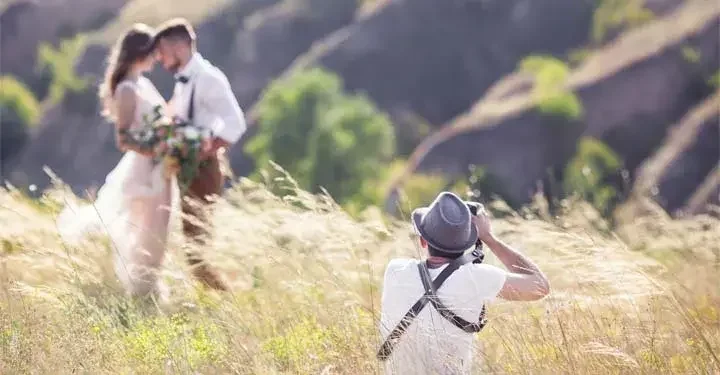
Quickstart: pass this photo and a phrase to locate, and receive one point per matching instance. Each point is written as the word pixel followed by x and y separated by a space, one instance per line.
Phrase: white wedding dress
pixel 133 207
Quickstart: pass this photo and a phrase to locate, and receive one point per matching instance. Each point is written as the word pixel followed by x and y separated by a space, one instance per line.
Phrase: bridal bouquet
pixel 175 143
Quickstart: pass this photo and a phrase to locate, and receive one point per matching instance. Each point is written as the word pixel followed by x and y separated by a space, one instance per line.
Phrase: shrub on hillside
pixel 323 137
pixel 587 174
pixel 549 89
pixel 420 189
pixel 714 81
pixel 416 190
pixel 616 15
pixel 16 97
pixel 286 115
pixel 59 64
pixel 19 110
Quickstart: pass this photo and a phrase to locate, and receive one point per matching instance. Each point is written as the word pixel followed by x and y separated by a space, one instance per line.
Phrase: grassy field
pixel 307 282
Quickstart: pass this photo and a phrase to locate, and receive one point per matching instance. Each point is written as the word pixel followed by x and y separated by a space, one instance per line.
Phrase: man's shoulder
pixel 400 271
pixel 490 277
pixel 400 264
pixel 488 270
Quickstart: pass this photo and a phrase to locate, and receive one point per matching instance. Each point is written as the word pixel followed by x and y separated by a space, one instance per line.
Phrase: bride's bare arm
pixel 126 102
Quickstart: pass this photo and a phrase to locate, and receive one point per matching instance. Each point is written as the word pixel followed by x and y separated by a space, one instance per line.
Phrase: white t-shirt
pixel 431 344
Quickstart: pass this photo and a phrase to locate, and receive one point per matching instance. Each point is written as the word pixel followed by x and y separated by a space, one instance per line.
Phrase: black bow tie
pixel 182 79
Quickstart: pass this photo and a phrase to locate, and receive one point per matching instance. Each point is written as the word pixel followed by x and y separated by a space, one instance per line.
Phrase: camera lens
pixel 473 208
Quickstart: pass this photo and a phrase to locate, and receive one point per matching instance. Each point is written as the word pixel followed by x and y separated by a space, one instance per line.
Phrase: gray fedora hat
pixel 446 224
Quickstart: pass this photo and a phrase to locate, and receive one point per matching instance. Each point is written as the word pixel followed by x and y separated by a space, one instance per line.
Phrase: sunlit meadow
pixel 307 280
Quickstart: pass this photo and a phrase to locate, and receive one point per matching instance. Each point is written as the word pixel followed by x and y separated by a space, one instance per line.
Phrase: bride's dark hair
pixel 137 44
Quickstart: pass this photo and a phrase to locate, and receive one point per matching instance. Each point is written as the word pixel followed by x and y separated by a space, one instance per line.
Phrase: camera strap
pixel 430 296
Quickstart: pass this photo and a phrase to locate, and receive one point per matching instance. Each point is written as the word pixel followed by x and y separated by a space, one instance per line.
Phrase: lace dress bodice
pixel 147 99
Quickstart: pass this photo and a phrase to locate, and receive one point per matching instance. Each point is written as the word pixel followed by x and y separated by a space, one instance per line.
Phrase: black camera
pixel 474 207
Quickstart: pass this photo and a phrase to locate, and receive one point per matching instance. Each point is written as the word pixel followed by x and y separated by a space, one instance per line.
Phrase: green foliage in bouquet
pixel 154 131
pixel 184 144
pixel 174 142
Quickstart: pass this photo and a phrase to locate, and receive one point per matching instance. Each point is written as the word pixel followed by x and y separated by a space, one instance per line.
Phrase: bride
pixel 133 206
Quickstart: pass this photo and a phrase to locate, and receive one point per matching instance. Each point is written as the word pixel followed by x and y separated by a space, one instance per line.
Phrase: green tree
pixel 287 113
pixel 347 147
pixel 19 111
pixel 324 137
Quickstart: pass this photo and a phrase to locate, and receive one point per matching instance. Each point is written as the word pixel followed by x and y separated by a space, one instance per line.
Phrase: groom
pixel 202 95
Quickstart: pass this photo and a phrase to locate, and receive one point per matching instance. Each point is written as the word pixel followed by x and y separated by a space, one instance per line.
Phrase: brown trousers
pixel 196 223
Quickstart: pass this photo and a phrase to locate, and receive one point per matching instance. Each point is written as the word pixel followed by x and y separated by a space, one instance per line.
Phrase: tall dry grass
pixel 306 285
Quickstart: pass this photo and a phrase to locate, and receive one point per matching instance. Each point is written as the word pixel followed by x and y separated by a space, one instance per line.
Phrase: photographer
pixel 446 293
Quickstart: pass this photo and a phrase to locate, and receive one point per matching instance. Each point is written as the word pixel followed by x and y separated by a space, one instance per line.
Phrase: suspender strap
pixel 392 339
pixel 444 310
pixel 191 109
pixel 430 296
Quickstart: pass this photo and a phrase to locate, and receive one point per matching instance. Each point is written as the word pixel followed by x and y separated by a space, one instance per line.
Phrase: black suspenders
pixel 191 106
pixel 430 296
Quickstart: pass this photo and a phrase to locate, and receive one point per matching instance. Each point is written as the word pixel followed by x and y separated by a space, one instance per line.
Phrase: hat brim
pixel 417 216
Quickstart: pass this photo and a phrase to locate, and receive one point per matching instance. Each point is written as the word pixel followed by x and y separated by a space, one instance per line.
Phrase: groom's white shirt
pixel 215 104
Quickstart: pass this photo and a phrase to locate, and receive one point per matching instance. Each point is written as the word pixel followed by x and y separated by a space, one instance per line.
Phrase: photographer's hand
pixel 482 222
pixel 525 281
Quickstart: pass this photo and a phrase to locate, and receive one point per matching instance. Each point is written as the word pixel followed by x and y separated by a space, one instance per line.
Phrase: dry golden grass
pixel 306 285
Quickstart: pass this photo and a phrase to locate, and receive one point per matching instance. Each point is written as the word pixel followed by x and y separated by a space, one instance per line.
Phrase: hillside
pixel 251 40
pixel 596 122
pixel 626 71
pixel 683 156
pixel 26 24
pixel 625 95
pixel 307 283
pixel 377 54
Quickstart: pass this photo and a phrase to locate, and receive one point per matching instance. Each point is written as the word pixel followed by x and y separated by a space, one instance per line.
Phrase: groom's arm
pixel 221 101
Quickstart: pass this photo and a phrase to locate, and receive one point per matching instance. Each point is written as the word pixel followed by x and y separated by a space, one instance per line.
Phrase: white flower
pixel 191 133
